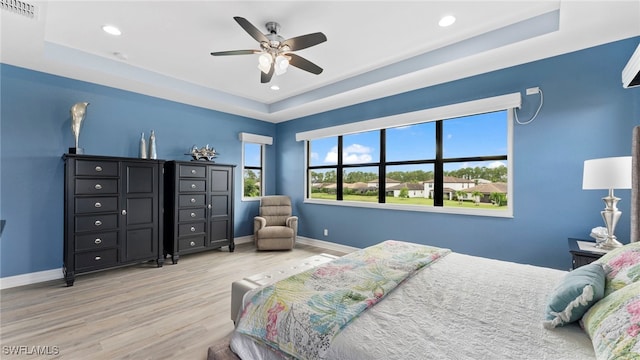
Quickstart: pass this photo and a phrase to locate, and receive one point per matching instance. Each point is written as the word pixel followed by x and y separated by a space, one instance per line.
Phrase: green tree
pixel 251 188
pixel 404 193
pixel 460 196
pixel 498 198
pixel 476 197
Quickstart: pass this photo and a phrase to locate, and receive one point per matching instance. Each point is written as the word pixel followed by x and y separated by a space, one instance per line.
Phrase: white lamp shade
pixel 281 64
pixel 607 173
pixel 264 62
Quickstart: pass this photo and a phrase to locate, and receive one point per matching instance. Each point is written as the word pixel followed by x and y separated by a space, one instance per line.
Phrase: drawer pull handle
pixel 98 258
pixel 193 200
pixel 98 187
pixel 193 171
pixel 193 229
pixel 193 186
pixel 124 212
pixel 193 214
pixel 98 223
pixel 98 241
pixel 192 243
pixel 209 206
pixel 98 168
pixel 98 205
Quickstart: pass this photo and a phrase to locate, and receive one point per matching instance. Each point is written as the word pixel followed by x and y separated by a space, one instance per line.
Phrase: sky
pixel 476 135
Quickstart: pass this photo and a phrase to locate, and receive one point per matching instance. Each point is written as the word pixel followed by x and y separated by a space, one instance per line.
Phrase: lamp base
pixel 610 244
pixel 76 150
pixel 610 215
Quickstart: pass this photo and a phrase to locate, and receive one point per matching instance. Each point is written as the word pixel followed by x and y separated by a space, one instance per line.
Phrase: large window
pixel 456 164
pixel 253 159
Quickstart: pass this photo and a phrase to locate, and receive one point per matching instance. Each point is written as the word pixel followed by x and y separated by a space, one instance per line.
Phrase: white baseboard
pixel 243 239
pixel 30 278
pixel 326 244
pixel 55 274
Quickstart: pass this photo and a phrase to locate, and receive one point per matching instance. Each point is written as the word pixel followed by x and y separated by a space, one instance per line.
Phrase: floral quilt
pixel 299 316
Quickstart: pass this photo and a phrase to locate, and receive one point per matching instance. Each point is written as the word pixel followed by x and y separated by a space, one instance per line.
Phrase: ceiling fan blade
pixel 265 78
pixel 235 52
pixel 252 30
pixel 304 41
pixel 304 64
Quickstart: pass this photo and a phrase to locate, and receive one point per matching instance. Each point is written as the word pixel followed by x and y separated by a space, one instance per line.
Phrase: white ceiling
pixel 374 48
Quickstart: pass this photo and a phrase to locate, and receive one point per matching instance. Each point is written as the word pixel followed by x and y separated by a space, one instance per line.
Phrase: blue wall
pixel 586 114
pixel 36 131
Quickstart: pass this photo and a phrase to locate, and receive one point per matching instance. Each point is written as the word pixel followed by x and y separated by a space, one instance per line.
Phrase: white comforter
pixel 461 307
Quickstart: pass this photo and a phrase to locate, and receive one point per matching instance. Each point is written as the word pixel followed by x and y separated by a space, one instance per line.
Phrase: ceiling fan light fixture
pixel 282 63
pixel 264 62
pixel 447 20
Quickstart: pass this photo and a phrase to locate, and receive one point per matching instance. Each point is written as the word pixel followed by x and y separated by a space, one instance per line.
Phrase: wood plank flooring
pixel 135 312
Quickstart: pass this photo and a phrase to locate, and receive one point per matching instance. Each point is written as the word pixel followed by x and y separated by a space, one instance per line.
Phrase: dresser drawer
pixel 194 242
pixel 191 200
pixel 192 171
pixel 96 259
pixel 96 204
pixel 96 241
pixel 96 167
pixel 191 215
pixel 96 186
pixel 192 185
pixel 190 229
pixel 96 222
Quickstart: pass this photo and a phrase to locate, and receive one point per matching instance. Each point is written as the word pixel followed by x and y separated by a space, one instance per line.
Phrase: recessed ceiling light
pixel 447 20
pixel 275 87
pixel 110 29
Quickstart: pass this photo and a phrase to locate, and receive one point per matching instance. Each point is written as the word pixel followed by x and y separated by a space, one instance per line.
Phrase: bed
pixel 456 306
pixel 466 307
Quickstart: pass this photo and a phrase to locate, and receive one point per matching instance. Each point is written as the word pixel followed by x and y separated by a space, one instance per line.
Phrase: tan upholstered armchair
pixel 275 228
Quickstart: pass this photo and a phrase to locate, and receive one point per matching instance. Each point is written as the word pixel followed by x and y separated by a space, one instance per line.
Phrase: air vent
pixel 19 7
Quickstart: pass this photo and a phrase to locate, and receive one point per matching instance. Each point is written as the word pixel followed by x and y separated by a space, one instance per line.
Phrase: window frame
pixel 261 140
pixel 506 103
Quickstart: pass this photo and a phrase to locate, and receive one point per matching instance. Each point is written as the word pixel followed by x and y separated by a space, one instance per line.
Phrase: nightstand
pixel 582 257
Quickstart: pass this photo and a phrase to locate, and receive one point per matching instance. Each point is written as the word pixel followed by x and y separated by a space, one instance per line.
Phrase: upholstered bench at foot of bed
pixel 240 287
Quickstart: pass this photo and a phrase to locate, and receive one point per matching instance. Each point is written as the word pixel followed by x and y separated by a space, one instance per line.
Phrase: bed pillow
pixel 574 295
pixel 621 267
pixel 613 324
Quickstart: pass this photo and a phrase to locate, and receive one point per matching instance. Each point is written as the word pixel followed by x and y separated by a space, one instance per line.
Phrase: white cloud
pixel 496 164
pixel 449 136
pixel 315 156
pixel 351 154
pixel 332 156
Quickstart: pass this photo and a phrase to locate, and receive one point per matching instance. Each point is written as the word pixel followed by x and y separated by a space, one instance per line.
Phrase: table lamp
pixel 608 173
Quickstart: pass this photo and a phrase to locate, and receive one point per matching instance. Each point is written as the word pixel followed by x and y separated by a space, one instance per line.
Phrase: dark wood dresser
pixel 112 211
pixel 198 207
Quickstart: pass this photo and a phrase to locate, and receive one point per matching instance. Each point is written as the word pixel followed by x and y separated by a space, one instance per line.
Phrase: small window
pixel 253 159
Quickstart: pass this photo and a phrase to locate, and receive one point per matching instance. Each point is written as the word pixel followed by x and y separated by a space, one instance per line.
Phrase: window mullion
pixel 339 172
pixel 438 181
pixel 382 172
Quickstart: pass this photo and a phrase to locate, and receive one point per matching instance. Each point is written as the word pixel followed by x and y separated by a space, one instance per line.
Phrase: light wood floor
pixel 136 312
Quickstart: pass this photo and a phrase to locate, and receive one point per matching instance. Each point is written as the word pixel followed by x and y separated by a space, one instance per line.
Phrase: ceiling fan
pixel 276 52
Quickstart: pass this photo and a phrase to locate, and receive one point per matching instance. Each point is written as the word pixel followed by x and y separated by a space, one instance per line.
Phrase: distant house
pixel 486 190
pixel 388 183
pixel 414 190
pixel 359 187
pixel 450 184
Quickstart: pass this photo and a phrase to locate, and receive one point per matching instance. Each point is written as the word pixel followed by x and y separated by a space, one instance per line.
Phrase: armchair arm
pixel 292 222
pixel 258 223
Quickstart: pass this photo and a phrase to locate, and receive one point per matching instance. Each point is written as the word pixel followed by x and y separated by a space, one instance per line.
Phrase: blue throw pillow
pixel 575 294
